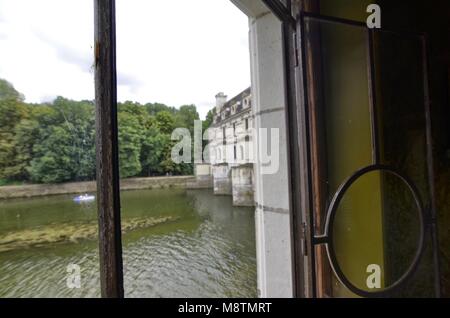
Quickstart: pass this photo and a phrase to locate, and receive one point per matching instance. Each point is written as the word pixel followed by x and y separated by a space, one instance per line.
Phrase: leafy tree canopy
pixel 55 142
pixel 8 92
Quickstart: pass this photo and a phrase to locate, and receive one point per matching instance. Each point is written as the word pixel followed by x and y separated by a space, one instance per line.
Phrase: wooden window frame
pixel 321 273
pixel 108 187
pixel 107 161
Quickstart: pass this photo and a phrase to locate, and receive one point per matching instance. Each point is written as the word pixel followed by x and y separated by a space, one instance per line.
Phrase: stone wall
pixel 222 179
pixel 272 196
pixel 203 177
pixel 34 190
pixel 242 180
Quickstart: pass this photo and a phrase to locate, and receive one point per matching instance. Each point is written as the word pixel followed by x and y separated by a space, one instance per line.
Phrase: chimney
pixel 221 99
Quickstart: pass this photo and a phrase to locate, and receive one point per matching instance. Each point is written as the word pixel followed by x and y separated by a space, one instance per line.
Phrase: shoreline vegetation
pixel 70 233
pixel 54 142
pixel 38 190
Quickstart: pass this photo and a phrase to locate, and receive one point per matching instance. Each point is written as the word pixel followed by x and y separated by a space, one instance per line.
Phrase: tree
pixel 208 120
pixel 8 92
pixel 12 111
pixel 55 142
pixel 154 109
pixel 165 121
pixel 54 161
pixel 130 138
pixel 186 116
pixel 25 135
pixel 64 147
pixel 6 153
pixel 206 124
pixel 153 150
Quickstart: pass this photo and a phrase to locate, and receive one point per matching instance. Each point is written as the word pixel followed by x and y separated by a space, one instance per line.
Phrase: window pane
pixel 377 220
pixel 178 241
pixel 48 223
pixel 402 132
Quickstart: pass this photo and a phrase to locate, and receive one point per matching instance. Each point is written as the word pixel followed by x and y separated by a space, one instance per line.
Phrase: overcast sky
pixel 174 52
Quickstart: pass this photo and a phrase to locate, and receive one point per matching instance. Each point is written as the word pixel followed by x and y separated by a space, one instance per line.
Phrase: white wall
pixel 272 216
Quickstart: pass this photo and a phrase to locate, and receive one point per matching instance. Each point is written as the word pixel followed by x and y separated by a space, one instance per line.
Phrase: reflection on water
pixel 207 250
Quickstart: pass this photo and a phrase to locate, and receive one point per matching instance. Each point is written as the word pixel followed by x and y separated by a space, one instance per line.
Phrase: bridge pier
pixel 242 185
pixel 222 179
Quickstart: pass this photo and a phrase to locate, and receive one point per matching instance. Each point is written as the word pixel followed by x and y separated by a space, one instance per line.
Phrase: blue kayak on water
pixel 84 198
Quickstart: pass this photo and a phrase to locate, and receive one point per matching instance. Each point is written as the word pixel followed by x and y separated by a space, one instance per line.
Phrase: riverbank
pixel 37 190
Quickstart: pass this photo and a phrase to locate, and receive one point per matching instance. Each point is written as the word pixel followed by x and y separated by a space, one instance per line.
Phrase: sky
pixel 174 52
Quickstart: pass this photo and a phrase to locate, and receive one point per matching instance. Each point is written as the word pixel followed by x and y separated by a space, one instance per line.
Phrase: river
pixel 176 243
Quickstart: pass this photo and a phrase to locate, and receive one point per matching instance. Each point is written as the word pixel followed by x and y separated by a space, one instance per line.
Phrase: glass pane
pixel 378 211
pixel 346 9
pixel 343 99
pixel 367 265
pixel 441 138
pixel 48 232
pixel 187 244
pixel 402 133
pixel 179 241
pixel 345 109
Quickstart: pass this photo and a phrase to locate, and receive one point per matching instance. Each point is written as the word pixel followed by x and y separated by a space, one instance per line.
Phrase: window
pixel 359 136
pixel 47 140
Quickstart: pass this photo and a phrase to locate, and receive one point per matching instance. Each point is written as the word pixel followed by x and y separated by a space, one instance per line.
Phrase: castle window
pixel 219 155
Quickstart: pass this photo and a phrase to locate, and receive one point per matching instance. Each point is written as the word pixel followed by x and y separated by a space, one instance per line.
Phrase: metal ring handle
pixel 327 238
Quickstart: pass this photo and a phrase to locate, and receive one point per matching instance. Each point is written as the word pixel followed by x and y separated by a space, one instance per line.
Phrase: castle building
pixel 231 148
pixel 231 131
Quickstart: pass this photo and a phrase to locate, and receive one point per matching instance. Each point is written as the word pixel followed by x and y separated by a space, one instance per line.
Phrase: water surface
pixel 206 249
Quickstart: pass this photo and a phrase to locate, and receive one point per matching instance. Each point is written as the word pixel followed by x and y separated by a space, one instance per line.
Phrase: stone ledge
pixel 37 190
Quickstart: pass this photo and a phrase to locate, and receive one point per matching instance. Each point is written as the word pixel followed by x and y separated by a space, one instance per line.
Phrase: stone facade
pixel 231 147
pixel 230 136
pixel 222 179
pixel 242 181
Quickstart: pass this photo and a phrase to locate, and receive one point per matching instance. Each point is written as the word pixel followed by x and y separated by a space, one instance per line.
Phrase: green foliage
pixel 12 111
pixel 154 109
pixel 186 116
pixel 54 156
pixel 63 144
pixel 4 182
pixel 8 92
pixel 153 150
pixel 209 120
pixel 25 133
pixel 6 152
pixel 165 122
pixel 55 142
pixel 130 138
